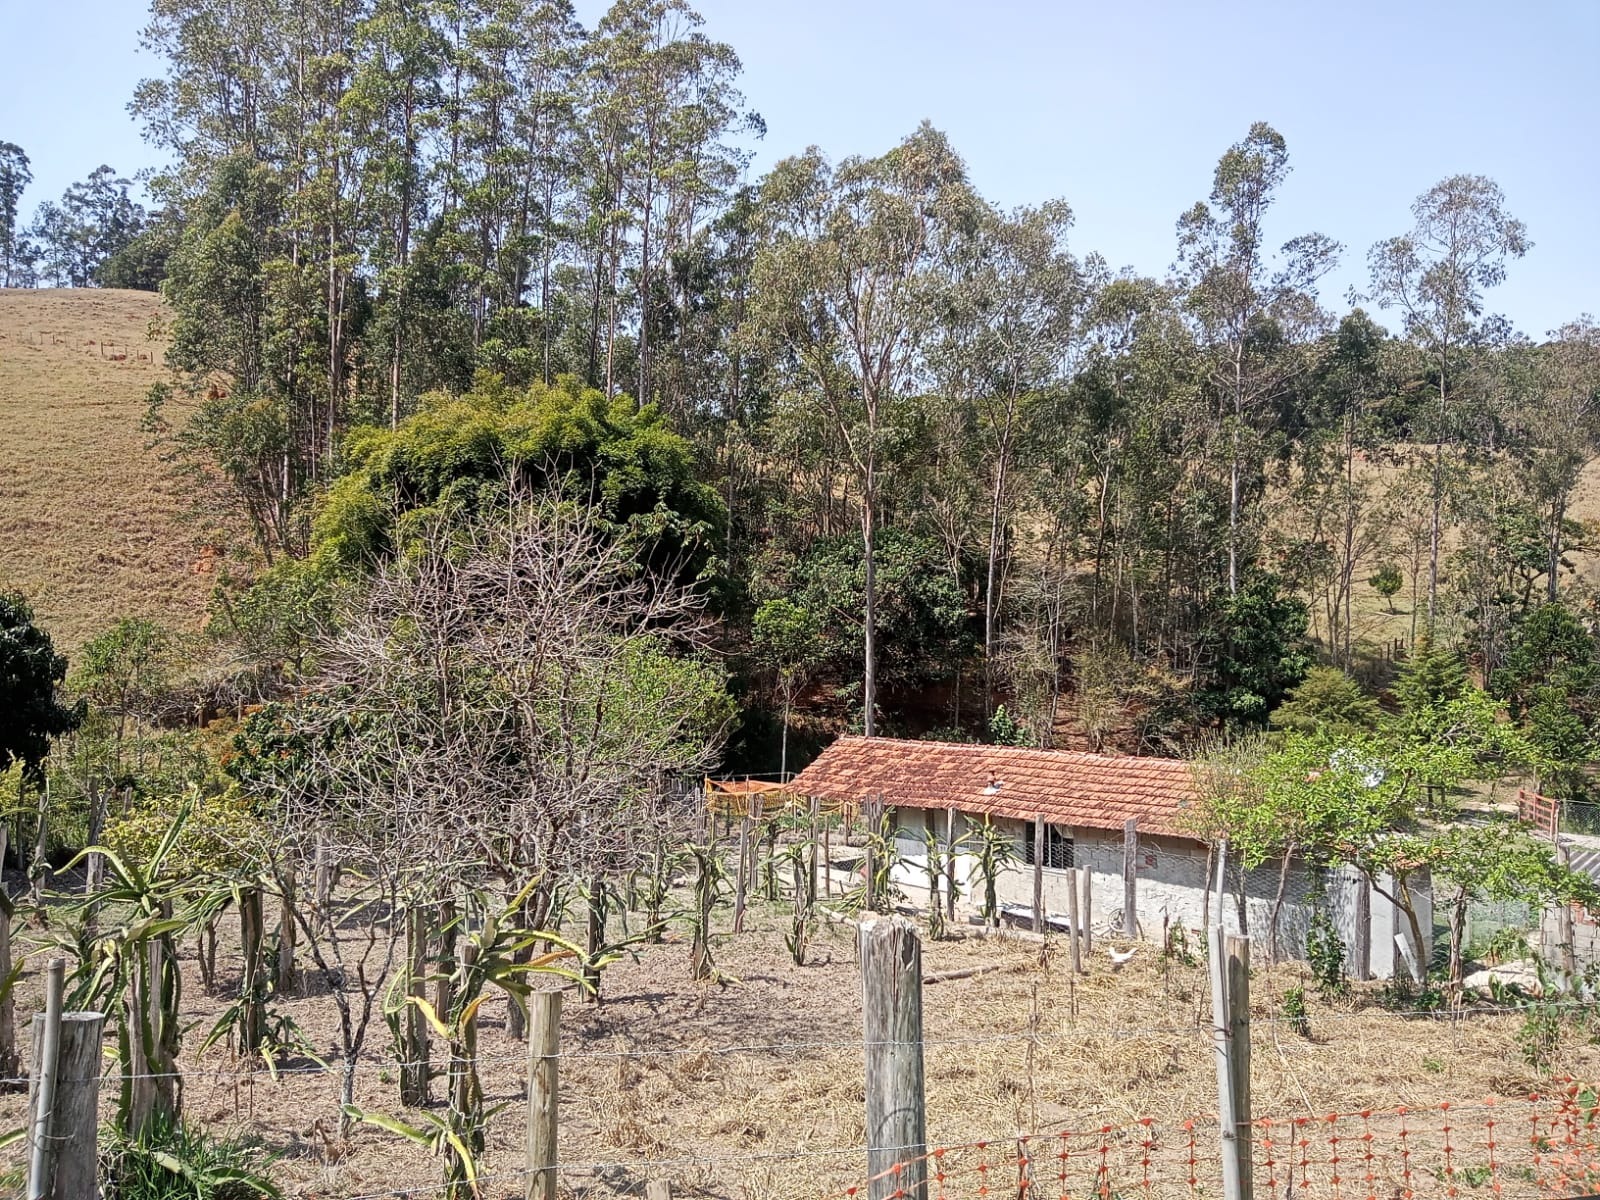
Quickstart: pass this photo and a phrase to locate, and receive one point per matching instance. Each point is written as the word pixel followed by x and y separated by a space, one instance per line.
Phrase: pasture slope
pixel 92 523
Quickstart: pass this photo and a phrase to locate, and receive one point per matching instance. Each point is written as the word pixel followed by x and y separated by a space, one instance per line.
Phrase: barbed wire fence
pixel 1537 1144
pixel 1541 1144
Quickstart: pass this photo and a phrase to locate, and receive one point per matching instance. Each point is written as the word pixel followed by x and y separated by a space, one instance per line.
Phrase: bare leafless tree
pixel 504 703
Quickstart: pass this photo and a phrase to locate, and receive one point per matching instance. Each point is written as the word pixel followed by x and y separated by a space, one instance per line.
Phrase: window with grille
pixel 1057 846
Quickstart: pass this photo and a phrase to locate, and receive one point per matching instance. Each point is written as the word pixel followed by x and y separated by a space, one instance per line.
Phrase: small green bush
pixel 1296 1012
pixel 185 1162
pixel 1325 953
pixel 221 837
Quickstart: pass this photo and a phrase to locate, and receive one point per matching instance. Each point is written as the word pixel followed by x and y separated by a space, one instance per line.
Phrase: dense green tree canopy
pixel 461 455
pixel 31 713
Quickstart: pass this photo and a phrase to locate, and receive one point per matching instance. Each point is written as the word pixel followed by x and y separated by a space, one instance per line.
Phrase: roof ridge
pixel 994 748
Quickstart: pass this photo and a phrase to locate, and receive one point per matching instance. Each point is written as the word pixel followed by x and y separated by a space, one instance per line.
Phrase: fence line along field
pixel 92 522
pixel 751 1084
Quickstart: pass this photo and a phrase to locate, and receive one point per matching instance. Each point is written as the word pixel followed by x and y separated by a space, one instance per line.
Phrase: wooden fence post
pixel 1238 951
pixel 1361 968
pixel 827 855
pixel 544 1049
pixel 1087 912
pixel 742 878
pixel 657 1189
pixel 814 811
pixel 10 1060
pixel 287 934
pixel 1130 887
pixel 1075 934
pixel 75 1118
pixel 252 986
pixel 42 1145
pixel 323 870
pixel 1564 935
pixel 891 984
pixel 1228 961
pixel 1040 849
pixel 415 1075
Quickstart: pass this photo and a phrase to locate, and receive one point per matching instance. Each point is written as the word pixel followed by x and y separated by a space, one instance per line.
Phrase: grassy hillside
pixel 91 522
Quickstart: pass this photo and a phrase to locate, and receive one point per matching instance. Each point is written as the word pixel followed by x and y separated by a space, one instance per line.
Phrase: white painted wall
pixel 1172 886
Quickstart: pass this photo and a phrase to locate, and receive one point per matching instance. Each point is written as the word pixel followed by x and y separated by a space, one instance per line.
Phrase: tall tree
pixel 843 284
pixel 1012 293
pixel 15 177
pixel 1436 275
pixel 97 217
pixel 1252 313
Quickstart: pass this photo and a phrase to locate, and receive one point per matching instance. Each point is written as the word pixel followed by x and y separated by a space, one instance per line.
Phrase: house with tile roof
pixel 944 790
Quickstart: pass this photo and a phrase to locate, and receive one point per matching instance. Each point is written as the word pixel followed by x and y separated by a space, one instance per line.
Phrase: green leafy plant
pixel 1296 1012
pixel 934 863
pixel 1177 948
pixel 992 851
pixel 1387 582
pixel 185 1162
pixel 492 954
pixel 1505 945
pixel 710 876
pixel 127 965
pixel 1325 953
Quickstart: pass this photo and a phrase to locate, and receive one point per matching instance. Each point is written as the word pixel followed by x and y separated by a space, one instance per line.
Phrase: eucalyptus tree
pixel 392 95
pixel 660 108
pixel 1252 313
pixel 845 288
pixel 1461 238
pixel 1563 434
pixel 1012 294
pixel 15 176
pixel 1335 504
pixel 96 218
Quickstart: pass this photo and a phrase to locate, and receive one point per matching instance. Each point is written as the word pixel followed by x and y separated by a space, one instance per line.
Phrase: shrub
pixel 1296 1012
pixel 1325 953
pixel 184 1162
pixel 221 838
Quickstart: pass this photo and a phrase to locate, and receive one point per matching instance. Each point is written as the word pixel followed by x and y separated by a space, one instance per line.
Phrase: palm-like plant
pixel 127 965
pixel 493 955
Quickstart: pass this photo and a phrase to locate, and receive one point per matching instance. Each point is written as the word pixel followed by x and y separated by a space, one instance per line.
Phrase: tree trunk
pixel 10 1060
pixel 1558 517
pixel 445 959
pixel 869 535
pixel 1277 904
pixel 1458 928
pixel 252 983
pixel 414 1066
pixel 596 939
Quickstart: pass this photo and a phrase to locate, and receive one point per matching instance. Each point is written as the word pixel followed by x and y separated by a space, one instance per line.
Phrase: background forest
pixel 925 466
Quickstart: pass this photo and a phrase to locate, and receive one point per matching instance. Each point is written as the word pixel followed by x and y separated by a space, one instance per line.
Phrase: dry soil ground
pixel 754 1091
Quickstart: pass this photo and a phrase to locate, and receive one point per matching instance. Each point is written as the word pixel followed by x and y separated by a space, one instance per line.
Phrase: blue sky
pixel 1120 107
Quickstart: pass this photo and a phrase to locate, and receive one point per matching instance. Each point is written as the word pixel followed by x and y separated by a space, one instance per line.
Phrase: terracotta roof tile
pixel 1064 786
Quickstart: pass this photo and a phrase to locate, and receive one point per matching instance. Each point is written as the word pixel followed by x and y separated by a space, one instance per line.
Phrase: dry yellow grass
pixel 91 521
pixel 755 1092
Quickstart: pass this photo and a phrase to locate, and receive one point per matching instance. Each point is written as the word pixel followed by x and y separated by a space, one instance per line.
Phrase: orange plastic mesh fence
pixel 1542 1145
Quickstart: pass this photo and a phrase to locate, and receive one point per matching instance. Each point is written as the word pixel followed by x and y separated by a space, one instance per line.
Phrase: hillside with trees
pixel 922 456
pixel 459 448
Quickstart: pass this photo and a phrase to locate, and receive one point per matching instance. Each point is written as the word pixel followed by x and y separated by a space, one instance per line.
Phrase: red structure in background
pixel 1543 813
